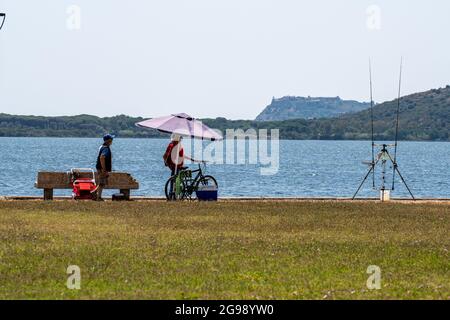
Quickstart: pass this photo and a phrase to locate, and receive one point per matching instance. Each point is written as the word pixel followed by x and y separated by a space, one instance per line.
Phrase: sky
pixel 213 58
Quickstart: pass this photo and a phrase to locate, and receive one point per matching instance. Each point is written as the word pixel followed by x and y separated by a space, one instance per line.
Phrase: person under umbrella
pixel 179 125
pixel 174 156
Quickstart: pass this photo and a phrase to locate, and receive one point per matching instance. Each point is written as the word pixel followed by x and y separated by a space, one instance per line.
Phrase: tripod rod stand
pixel 384 157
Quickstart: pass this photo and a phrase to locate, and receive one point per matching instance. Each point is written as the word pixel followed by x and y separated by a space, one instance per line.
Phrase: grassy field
pixel 225 250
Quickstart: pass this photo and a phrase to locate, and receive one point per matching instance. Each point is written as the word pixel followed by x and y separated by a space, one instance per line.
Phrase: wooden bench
pixel 63 180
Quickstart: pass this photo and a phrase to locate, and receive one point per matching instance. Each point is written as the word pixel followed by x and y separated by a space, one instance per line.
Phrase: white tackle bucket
pixel 385 195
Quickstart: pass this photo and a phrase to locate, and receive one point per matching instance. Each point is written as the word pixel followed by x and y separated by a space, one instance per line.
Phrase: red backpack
pixel 167 155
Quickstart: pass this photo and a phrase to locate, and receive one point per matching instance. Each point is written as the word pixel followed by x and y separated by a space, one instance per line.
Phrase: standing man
pixel 104 164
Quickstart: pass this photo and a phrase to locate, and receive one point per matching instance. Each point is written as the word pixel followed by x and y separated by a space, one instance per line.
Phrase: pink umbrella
pixel 181 124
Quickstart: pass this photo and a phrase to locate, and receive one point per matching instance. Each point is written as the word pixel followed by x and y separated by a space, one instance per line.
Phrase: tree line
pixel 423 117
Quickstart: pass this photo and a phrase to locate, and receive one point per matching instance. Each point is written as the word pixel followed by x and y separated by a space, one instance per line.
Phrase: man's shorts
pixel 102 180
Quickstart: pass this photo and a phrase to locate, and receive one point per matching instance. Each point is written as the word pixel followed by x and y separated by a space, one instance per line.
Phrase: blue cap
pixel 107 137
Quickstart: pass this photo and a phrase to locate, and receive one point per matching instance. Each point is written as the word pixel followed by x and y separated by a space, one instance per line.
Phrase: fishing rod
pixel 373 163
pixel 397 124
pixel 371 120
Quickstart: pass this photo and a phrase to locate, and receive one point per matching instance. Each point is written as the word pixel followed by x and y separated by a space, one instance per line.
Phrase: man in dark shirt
pixel 104 164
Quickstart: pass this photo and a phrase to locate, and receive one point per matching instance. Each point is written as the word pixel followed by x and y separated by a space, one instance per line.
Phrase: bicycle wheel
pixel 171 192
pixel 206 181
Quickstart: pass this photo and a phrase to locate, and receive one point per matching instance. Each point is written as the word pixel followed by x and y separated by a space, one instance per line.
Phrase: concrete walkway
pixel 262 199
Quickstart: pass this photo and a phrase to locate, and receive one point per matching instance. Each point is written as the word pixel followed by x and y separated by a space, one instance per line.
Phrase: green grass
pixel 225 250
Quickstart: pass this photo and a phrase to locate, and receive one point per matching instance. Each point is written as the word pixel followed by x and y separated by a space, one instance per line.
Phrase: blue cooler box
pixel 207 193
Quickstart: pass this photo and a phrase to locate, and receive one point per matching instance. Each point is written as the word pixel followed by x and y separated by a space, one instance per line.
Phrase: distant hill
pixel 424 116
pixel 288 108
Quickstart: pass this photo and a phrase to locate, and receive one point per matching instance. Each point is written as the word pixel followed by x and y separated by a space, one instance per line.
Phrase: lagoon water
pixel 306 168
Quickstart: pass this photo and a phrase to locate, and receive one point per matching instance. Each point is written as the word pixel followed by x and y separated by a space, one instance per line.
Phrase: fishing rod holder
pixel 384 145
pixel 383 157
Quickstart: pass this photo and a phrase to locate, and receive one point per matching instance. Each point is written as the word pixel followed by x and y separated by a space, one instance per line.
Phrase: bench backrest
pixel 63 180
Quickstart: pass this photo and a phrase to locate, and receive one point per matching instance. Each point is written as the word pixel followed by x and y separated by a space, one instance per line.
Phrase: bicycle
pixel 183 186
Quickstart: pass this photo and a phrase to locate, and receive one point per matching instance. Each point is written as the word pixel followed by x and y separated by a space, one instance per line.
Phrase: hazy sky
pixel 213 58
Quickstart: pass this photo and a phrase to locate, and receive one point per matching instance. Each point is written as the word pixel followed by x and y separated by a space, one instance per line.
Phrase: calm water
pixel 307 168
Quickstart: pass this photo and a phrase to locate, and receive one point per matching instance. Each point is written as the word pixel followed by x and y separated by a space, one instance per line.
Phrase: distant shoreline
pixel 167 137
pixel 423 116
